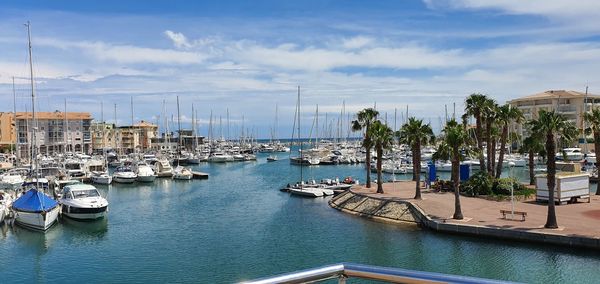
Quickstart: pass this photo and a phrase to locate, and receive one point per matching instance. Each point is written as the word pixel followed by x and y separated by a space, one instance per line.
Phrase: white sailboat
pixel 181 172
pixel 300 189
pixel 34 209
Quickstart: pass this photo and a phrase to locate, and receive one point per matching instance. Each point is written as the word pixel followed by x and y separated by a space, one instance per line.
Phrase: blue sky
pixel 249 56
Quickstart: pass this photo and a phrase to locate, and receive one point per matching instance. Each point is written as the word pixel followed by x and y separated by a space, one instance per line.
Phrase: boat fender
pixel 44 215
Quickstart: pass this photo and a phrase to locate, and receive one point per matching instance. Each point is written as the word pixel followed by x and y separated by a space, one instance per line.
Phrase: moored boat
pixel 35 210
pixel 83 202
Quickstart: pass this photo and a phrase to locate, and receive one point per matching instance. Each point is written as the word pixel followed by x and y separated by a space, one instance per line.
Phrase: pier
pixel 579 223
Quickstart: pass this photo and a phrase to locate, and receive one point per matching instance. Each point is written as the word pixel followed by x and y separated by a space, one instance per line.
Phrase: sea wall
pixel 391 211
pixel 402 211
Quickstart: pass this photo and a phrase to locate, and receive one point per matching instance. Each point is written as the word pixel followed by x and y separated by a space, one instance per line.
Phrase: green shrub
pixel 478 184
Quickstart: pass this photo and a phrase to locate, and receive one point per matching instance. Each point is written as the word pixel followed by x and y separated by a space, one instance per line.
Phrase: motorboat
pixel 100 178
pixel 35 210
pixel 182 173
pixel 83 202
pixel 305 191
pixel 124 175
pixel 271 158
pixel 74 168
pixel 11 180
pixel 570 154
pixel 163 168
pixel 220 157
pixel 5 203
pixel 144 172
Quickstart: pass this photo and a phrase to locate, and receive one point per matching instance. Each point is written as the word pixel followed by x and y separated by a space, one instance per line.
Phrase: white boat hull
pixel 123 179
pixel 146 178
pixel 308 192
pixel 101 179
pixel 36 220
pixel 101 213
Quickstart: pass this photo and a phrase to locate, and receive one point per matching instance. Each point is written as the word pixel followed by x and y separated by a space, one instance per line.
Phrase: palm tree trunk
pixel 502 146
pixel 417 168
pixel 597 149
pixel 551 149
pixel 455 168
pixel 414 162
pixel 488 139
pixel 531 166
pixel 368 165
pixel 479 141
pixel 379 162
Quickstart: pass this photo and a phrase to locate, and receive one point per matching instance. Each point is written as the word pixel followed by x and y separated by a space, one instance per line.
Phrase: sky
pixel 247 58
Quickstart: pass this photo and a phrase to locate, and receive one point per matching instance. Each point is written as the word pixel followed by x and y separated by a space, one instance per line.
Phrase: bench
pixel 508 212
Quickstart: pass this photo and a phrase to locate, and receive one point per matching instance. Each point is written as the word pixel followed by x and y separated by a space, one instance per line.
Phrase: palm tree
pixel 455 138
pixel 364 119
pixel 593 119
pixel 532 145
pixel 416 134
pixel 473 106
pixel 383 138
pixel 551 124
pixel 505 115
pixel 488 113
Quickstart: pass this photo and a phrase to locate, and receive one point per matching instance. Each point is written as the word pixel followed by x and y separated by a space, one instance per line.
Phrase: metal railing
pixel 343 271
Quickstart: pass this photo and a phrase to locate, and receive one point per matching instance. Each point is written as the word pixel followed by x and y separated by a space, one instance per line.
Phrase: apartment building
pixel 55 132
pixel 125 139
pixel 571 104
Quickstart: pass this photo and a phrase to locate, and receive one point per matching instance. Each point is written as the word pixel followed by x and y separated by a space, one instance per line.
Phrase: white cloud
pixel 356 42
pixel 179 40
pixel 552 8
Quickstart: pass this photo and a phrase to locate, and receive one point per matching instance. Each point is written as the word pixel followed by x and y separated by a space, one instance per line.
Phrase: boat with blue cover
pixel 35 210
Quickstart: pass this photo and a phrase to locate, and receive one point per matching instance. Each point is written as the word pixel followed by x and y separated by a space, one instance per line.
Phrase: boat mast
pixel 179 132
pixel 15 122
pixel 34 121
pixel 300 142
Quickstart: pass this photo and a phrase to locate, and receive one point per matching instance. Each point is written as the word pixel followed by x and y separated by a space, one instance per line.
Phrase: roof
pixel 34 201
pixel 551 94
pixel 144 124
pixel 55 115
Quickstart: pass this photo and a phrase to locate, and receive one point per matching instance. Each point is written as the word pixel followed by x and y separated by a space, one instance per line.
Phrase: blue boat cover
pixel 34 201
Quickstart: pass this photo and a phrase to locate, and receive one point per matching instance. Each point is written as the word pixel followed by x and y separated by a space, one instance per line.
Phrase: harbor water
pixel 238 226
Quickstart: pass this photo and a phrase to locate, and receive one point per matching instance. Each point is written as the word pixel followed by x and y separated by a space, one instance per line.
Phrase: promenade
pixel 579 223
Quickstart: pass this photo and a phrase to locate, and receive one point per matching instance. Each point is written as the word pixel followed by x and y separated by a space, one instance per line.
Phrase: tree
pixel 505 115
pixel 382 138
pixel 593 119
pixel 473 106
pixel 416 134
pixel 532 145
pixel 364 119
pixel 455 138
pixel 488 113
pixel 550 125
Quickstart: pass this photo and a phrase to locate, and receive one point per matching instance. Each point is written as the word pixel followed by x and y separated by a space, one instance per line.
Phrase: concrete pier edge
pixel 421 218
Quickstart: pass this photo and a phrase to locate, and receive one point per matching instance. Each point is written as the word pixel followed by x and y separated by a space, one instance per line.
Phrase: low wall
pixel 402 211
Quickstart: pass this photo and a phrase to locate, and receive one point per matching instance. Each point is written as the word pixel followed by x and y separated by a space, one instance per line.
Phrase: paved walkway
pixel 579 219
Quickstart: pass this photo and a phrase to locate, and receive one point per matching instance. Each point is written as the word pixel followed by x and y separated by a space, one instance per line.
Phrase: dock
pixel 199 175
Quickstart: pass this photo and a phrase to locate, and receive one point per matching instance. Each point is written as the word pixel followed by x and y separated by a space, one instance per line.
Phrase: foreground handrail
pixel 348 270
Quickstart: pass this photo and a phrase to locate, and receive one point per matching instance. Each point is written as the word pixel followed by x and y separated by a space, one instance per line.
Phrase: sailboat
pixel 34 209
pixel 180 172
pixel 300 189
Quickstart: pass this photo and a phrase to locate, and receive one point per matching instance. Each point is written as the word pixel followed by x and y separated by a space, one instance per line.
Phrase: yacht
pixel 35 210
pixel 100 177
pixel 303 190
pixel 182 173
pixel 571 154
pixel 83 201
pixel 163 168
pixel 144 172
pixel 220 157
pixel 124 175
pixel 11 180
pixel 74 168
